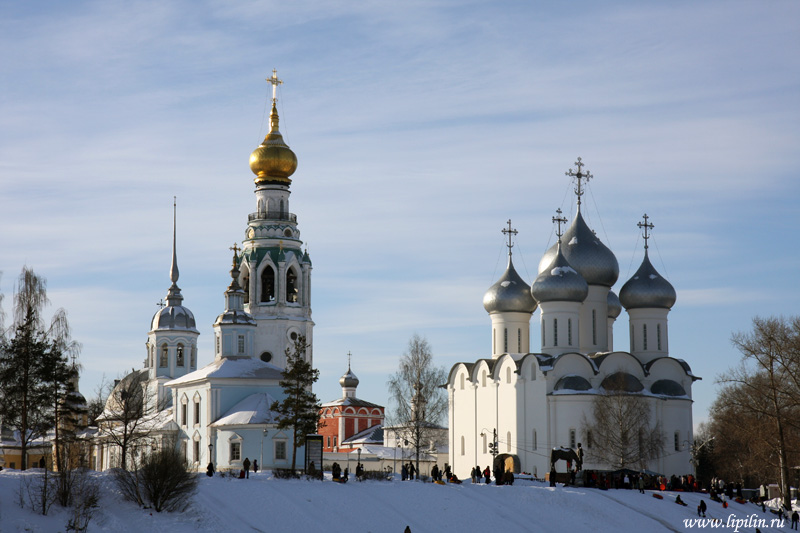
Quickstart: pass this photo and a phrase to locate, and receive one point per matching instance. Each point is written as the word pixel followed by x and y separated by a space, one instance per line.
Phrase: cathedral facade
pixel 220 412
pixel 528 402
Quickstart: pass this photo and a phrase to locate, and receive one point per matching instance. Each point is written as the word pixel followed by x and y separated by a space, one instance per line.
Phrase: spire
pixel 577 177
pixel 174 296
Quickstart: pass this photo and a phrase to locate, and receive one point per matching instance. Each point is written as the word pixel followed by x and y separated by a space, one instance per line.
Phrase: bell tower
pixel 275 271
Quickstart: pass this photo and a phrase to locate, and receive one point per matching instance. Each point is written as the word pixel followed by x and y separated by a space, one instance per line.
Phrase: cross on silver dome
pixel 578 176
pixel 647 226
pixel 558 219
pixel 275 82
pixel 509 232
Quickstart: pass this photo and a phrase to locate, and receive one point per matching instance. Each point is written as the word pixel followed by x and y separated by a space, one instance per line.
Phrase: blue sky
pixel 420 128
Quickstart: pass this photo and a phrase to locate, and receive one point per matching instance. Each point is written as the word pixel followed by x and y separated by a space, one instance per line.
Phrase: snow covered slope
pixel 265 504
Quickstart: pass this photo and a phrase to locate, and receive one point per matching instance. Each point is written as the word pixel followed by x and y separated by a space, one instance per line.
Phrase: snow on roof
pixel 254 409
pixel 354 402
pixel 231 367
pixel 368 436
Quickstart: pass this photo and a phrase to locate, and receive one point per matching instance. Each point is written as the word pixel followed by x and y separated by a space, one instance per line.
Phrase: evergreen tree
pixel 34 368
pixel 299 410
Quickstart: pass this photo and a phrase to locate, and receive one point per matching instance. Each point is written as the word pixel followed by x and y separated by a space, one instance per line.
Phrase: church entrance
pixel 508 462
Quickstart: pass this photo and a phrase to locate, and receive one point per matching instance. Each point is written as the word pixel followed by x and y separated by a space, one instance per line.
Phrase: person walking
pixel 255 465
pixel 246 465
pixel 412 471
pixel 487 474
pixel 210 469
pixel 701 509
pixel 795 520
pixel 435 473
pixel 641 484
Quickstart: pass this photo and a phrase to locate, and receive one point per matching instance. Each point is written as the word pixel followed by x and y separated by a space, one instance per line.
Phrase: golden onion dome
pixel 273 160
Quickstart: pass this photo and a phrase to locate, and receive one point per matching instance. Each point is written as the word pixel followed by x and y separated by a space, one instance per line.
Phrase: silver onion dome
pixel 614 306
pixel 647 289
pixel 509 294
pixel 173 317
pixel 349 380
pixel 559 282
pixel 584 251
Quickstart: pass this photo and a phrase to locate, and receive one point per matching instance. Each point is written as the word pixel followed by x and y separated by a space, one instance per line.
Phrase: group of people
pixel 336 473
pixel 408 471
pixel 244 473
pixel 447 473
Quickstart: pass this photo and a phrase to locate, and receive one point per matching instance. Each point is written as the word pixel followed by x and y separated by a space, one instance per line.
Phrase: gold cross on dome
pixel 275 82
pixel 646 226
pixel 235 249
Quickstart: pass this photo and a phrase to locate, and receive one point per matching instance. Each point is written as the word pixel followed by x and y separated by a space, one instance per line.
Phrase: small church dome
pixel 584 251
pixel 559 282
pixel 348 380
pixel 273 160
pixel 614 306
pixel 173 317
pixel 647 289
pixel 509 294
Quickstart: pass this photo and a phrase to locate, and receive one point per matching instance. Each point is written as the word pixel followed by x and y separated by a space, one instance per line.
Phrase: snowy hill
pixel 265 504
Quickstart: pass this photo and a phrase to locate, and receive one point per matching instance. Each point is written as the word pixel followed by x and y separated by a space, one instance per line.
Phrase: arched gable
pixel 572 363
pixel 502 366
pixel 528 366
pixel 456 370
pixel 621 362
pixel 669 368
pixel 482 369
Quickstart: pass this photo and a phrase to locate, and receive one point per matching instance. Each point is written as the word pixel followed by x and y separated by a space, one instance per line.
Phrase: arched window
pixel 164 354
pixel 483 379
pixel 462 381
pixel 508 442
pixel 462 445
pixel 268 284
pixel 519 340
pixel 194 357
pixel 494 339
pixel 508 375
pixel 281 208
pixel 180 355
pixel 246 287
pixel 484 442
pixel 291 285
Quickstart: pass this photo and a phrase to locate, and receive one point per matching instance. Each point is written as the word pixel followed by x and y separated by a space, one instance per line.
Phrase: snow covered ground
pixel 266 504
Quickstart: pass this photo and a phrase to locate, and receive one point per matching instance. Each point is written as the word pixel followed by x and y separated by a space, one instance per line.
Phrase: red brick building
pixel 348 416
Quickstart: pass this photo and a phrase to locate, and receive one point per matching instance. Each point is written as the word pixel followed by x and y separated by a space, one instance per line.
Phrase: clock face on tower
pixel 251 233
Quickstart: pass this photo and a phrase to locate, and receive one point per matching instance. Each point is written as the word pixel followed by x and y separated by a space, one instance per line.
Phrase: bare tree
pixel 621 432
pixel 35 374
pixel 766 386
pixel 129 415
pixel 419 401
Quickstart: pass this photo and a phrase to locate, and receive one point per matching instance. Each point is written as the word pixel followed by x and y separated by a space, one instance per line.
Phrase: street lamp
pixel 210 456
pixel 263 436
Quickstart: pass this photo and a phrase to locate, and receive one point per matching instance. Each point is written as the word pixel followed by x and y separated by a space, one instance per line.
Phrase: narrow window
pixel 658 336
pixel 184 415
pixel 508 375
pixel 462 445
pixel 462 381
pixel 281 208
pixel 280 450
pixel 572 438
pixel 543 342
pixel 246 287
pixel 184 450
pixel 508 441
pixel 494 340
pixel 535 445
pixel 291 286
pixel 519 340
pixel 268 284
pixel 484 442
pixel 677 441
pixel 569 331
pixel 164 352
pixel 594 326
pixel 483 379
pixel 630 332
pixel 644 336
pixel 194 357
pixel 589 438
pixel 236 451
pixel 196 451
pixel 197 411
pixel 555 332
pixel 335 441
pixel 180 355
pixel 218 345
pixel 241 344
pixel 505 340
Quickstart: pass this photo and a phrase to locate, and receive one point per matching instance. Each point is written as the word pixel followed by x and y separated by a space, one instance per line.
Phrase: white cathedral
pixel 534 402
pixel 221 413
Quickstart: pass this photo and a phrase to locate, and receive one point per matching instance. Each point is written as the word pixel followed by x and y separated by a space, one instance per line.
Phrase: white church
pixel 536 401
pixel 221 413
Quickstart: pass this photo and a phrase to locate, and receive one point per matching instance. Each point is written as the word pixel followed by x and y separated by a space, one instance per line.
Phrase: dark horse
pixel 567 454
